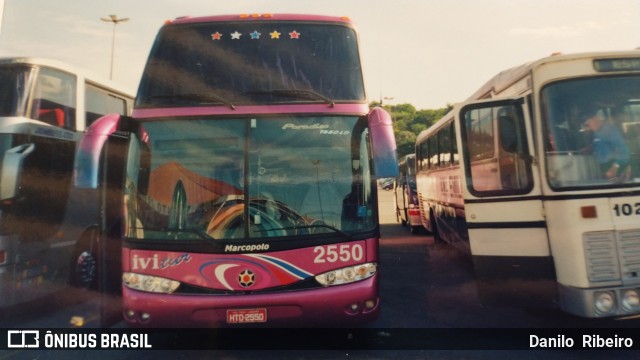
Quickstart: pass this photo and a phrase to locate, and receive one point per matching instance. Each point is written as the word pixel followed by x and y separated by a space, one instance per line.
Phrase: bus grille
pixel 629 252
pixel 613 256
pixel 602 260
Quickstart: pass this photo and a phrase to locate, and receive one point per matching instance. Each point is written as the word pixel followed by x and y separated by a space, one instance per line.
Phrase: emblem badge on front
pixel 246 278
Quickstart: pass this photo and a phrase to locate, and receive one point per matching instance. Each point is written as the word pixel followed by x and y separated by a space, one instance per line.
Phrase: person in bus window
pixel 608 146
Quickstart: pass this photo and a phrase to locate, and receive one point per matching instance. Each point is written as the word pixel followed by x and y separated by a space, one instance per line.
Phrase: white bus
pixel 405 195
pixel 48 229
pixel 537 175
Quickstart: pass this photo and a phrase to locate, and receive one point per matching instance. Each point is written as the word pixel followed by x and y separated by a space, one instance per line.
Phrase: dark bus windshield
pixel 14 85
pixel 252 63
pixel 255 178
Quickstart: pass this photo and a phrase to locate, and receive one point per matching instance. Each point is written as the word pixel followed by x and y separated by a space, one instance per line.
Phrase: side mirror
pixel 383 143
pixel 12 168
pixel 87 161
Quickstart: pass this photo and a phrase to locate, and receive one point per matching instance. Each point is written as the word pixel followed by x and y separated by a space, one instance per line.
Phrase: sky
pixel 428 53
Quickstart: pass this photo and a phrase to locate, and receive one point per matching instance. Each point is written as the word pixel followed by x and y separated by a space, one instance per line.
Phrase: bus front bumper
pixel 354 303
pixel 600 302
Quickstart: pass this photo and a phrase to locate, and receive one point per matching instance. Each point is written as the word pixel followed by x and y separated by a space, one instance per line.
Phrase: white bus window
pixel 496 150
pixel 99 102
pixel 423 156
pixel 480 134
pixel 433 153
pixel 454 146
pixel 591 132
pixel 15 85
pixel 54 101
pixel 444 146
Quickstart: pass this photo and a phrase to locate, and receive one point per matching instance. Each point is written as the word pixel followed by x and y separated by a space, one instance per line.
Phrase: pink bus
pixel 250 167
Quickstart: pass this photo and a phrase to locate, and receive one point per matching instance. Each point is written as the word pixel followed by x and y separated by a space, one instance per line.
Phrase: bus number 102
pixel 627 209
pixel 342 253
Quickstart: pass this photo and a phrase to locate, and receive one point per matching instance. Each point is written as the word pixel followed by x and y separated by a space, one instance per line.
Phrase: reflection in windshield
pixel 209 179
pixel 592 132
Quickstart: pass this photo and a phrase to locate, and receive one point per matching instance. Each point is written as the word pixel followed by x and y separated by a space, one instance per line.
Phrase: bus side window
pixel 454 146
pixel 497 151
pixel 55 98
pixel 99 102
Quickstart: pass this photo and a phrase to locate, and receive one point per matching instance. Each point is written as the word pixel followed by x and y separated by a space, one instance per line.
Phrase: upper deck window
pixel 252 63
pixel 54 99
pixel 15 82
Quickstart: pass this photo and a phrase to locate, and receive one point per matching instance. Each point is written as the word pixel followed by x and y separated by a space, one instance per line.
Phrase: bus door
pixel 503 205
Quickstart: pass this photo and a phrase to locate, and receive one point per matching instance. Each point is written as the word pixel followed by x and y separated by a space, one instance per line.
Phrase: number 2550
pixel 333 253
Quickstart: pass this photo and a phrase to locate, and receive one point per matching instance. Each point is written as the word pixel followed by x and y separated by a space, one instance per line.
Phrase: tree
pixel 409 122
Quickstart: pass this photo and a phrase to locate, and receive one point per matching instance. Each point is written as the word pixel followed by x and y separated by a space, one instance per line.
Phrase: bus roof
pixel 505 78
pixel 262 17
pixel 56 64
pixel 41 61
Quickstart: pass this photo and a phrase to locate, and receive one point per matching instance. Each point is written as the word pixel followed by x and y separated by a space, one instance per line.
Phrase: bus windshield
pixel 206 64
pixel 239 179
pixel 592 129
pixel 14 85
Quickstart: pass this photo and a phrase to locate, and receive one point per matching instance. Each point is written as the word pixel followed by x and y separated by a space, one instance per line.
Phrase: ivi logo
pixel 23 339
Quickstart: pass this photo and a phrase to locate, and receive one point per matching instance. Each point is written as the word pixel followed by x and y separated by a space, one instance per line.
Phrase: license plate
pixel 241 316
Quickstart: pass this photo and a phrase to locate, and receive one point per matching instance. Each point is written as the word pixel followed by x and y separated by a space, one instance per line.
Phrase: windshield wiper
pixel 300 94
pixel 311 226
pixel 200 233
pixel 209 98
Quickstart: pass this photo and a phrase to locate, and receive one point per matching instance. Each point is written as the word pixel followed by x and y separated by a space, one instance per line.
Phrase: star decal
pixel 275 34
pixel 294 35
pixel 216 36
pixel 255 34
pixel 235 35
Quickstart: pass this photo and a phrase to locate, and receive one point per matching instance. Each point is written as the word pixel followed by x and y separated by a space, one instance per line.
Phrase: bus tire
pixel 84 263
pixel 437 239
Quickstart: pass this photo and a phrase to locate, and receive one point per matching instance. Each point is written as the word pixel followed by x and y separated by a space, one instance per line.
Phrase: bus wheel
pixel 85 270
pixel 437 239
pixel 84 263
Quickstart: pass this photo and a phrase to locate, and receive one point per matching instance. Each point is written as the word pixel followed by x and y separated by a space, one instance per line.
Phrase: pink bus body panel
pixel 220 271
pixel 328 305
pixel 269 270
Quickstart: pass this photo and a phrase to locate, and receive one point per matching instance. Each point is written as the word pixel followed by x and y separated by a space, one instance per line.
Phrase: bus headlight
pixel 149 283
pixel 604 302
pixel 347 275
pixel 630 300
